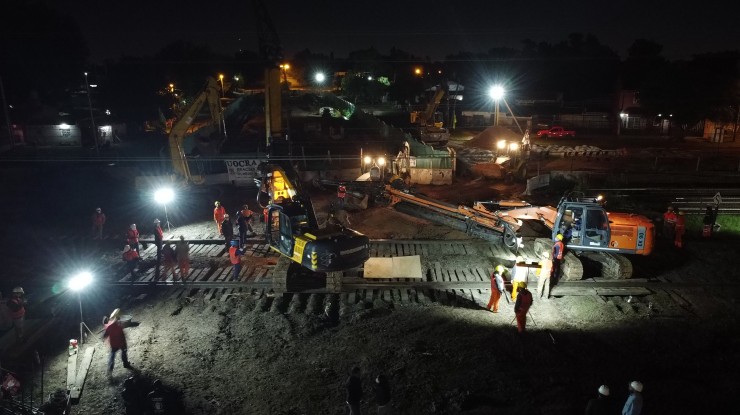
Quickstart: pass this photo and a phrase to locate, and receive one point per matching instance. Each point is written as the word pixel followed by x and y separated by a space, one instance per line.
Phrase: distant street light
pixel 221 78
pixel 496 93
pixel 320 78
pixel 417 71
pixel 77 284
pixel 92 120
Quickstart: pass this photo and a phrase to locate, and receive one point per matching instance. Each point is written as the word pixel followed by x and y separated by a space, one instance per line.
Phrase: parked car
pixel 556 132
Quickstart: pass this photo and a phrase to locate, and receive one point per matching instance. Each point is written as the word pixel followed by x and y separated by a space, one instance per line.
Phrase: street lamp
pixel 92 120
pixel 163 197
pixel 221 78
pixel 496 93
pixel 77 284
pixel 320 78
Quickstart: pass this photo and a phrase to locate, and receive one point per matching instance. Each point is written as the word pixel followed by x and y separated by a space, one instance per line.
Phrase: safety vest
pixel 20 310
pixel 218 213
pixel 247 214
pixel 133 236
pixel 557 250
pixel 523 301
pixel 341 192
pixel 130 255
pixel 669 217
pixel 233 256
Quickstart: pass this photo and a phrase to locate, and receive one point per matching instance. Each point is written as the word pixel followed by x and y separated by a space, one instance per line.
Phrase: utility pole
pixel 5 111
pixel 92 120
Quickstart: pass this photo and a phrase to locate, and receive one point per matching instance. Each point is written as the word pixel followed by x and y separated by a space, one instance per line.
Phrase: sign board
pixel 717 199
pixel 243 171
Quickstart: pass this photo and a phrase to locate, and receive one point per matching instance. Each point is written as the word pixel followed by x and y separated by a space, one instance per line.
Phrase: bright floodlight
pixel 368 160
pixel 513 146
pixel 501 144
pixel 381 161
pixel 496 92
pixel 320 77
pixel 164 196
pixel 80 281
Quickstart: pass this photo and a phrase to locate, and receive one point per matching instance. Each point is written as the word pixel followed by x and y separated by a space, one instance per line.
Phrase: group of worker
pixel 168 257
pixel 603 404
pixel 225 227
pixel 548 271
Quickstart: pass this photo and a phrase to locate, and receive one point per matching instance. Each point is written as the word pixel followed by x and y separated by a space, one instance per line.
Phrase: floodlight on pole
pixel 92 119
pixel 77 284
pixel 496 92
pixel 163 197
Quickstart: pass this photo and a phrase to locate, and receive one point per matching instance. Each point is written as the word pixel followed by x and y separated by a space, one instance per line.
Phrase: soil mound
pixel 487 138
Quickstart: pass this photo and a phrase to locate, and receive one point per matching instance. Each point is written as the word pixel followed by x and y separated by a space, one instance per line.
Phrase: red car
pixel 557 132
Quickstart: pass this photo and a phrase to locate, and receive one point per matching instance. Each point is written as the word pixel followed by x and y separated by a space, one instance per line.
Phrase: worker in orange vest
pixel 680 229
pixel 341 194
pixel 132 237
pixel 521 308
pixel 236 261
pixel 558 250
pixel 669 223
pixel 98 220
pixel 218 216
pixel 497 289
pixel 545 271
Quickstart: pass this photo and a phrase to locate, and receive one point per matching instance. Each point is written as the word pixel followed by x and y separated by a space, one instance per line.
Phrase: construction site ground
pixel 242 355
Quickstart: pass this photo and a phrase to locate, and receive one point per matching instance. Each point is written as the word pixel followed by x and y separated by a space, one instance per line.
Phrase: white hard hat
pixel 156 220
pixel 115 313
pixel 604 390
pixel 18 290
pixel 636 385
pixel 126 248
pixel 133 226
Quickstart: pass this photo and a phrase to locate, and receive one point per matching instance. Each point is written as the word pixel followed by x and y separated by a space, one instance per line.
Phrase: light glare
pixel 80 281
pixel 496 92
pixel 164 196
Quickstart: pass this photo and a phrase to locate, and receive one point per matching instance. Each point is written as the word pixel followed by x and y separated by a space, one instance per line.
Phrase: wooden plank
pixel 71 371
pixel 82 370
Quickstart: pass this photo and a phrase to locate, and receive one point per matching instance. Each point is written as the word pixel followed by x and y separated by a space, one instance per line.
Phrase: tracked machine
pixel 593 235
pixel 293 231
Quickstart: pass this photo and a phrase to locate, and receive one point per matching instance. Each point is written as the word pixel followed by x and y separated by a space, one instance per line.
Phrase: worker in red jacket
pixel 558 250
pixel 521 308
pixel 680 230
pixel 669 223
pixel 113 331
pixel 130 257
pixel 98 220
pixel 341 194
pixel 218 216
pixel 17 307
pixel 132 237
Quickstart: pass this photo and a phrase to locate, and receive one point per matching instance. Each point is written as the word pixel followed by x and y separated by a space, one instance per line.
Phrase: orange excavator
pixel 589 230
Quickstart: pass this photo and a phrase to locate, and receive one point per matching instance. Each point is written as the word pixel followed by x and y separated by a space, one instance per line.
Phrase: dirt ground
pixel 241 356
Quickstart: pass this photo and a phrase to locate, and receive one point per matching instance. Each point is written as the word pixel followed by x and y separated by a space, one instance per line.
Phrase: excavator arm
pixel 428 114
pixel 209 97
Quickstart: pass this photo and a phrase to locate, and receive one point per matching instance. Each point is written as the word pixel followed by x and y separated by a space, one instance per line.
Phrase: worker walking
pixel 354 391
pixel 131 258
pixel 601 404
pixel 158 237
pixel 633 405
pixel 680 230
pixel 521 308
pixel 383 394
pixel 543 282
pixel 228 230
pixel 170 259
pixel 113 331
pixel 669 223
pixel 17 307
pixel 98 220
pixel 235 256
pixel 341 194
pixel 497 289
pixel 710 218
pixel 558 250
pixel 519 280
pixel 244 222
pixel 182 251
pixel 218 216
pixel 132 237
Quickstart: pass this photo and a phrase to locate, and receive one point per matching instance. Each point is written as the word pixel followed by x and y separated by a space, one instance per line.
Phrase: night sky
pixel 423 28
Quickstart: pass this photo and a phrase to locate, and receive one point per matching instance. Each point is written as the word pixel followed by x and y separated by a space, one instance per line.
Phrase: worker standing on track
pixel 170 259
pixel 158 237
pixel 131 258
pixel 521 308
pixel 98 220
pixel 680 230
pixel 235 256
pixel 710 218
pixel 497 289
pixel 519 280
pixel 132 237
pixel 669 224
pixel 218 216
pixel 182 251
pixel 244 221
pixel 543 282
pixel 558 250
pixel 17 307
pixel 228 230
pixel 341 194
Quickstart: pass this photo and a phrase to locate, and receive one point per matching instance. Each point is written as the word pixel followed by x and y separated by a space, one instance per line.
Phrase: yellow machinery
pixel 431 129
pixel 208 97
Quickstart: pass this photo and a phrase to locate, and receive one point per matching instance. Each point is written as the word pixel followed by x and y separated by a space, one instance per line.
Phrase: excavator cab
pixel 584 225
